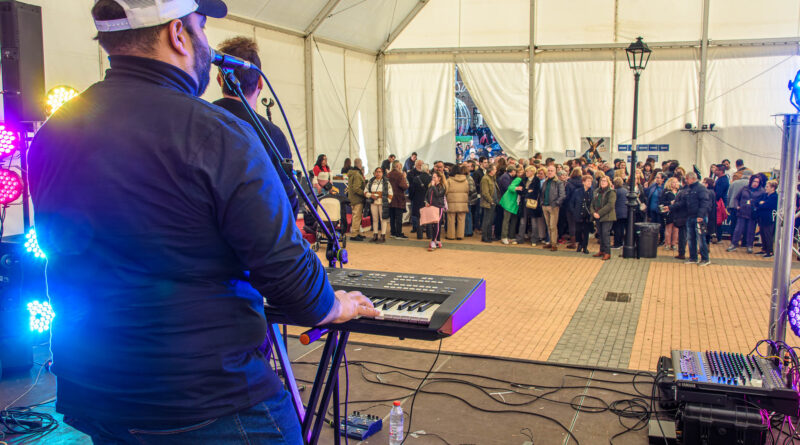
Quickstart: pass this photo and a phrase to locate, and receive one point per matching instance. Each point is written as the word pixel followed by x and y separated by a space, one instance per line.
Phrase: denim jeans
pixel 695 239
pixel 272 421
pixel 477 214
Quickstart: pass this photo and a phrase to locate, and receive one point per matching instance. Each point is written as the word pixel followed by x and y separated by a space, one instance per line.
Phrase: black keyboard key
pixel 424 307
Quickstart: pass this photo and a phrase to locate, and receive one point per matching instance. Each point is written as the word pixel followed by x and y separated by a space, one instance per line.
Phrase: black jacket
pixel 695 202
pixel 435 196
pixel 766 209
pixel 278 138
pixel 580 204
pixel 666 199
pixel 417 186
pixel 165 226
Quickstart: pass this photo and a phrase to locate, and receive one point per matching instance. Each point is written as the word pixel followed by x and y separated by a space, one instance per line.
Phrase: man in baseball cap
pixel 165 226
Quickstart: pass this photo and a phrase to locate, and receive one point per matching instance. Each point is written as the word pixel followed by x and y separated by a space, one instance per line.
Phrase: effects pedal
pixel 360 426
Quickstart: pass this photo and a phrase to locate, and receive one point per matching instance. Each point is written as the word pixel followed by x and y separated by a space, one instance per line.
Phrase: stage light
pixel 41 315
pixel 793 313
pixel 10 186
pixel 8 141
pixel 32 245
pixel 58 96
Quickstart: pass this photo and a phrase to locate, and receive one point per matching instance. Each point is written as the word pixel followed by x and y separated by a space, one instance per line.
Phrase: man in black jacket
pixel 165 227
pixel 696 204
pixel 246 48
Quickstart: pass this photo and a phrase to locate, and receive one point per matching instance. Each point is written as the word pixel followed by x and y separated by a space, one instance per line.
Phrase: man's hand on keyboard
pixel 350 305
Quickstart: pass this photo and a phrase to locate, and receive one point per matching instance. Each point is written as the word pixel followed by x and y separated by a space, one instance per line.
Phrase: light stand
pixel 638 54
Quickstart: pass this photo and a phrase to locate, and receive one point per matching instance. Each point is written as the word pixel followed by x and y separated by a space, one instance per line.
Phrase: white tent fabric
pixel 419 111
pixel 345 105
pixel 667 100
pixel 746 127
pixel 504 109
pixel 573 101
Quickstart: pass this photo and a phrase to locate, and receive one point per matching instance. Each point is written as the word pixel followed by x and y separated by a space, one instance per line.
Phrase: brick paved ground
pixel 544 305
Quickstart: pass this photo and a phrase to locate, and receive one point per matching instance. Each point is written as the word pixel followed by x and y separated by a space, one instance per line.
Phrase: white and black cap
pixel 147 13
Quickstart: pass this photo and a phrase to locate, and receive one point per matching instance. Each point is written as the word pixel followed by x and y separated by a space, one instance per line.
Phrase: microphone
pixel 223 60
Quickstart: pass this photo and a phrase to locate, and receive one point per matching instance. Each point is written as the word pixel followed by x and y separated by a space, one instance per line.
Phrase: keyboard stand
pixel 325 388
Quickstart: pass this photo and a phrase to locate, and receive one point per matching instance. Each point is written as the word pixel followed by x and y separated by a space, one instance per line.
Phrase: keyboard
pixel 423 307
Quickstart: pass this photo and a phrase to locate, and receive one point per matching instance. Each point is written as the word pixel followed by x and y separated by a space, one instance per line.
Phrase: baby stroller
pixel 334 205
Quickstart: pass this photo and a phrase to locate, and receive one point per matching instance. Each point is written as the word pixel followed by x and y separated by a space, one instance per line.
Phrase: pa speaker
pixel 22 62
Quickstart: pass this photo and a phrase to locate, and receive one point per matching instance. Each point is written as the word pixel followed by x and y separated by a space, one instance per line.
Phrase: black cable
pixel 414 398
pixel 25 422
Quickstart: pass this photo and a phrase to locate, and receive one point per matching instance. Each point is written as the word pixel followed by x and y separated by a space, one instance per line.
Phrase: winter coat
pixel 488 192
pixel 767 208
pixel 399 187
pixel 570 186
pixel 721 186
pixel 435 195
pixel 416 190
pixel 695 202
pixel 580 204
pixel 531 190
pixel 666 199
pixel 745 201
pixel 474 194
pixel 678 208
pixel 603 204
pixel 457 194
pixel 621 206
pixel 355 186
pixel 502 183
pixel 734 189
pixel 477 176
pixel 557 193
pixel 385 189
pixel 510 200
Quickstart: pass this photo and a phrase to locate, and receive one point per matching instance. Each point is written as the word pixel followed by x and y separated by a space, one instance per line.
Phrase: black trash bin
pixel 647 239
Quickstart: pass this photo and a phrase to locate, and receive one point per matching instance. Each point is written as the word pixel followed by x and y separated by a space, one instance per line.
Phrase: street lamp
pixel 638 54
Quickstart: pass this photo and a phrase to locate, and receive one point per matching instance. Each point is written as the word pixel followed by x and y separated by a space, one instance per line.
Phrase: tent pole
pixel 531 79
pixel 381 79
pixel 308 56
pixel 321 16
pixel 701 109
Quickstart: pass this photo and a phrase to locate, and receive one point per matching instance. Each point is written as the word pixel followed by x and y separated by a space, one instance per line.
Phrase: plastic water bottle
pixel 396 425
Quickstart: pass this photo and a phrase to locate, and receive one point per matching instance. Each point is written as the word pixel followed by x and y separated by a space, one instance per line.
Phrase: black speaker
pixel 22 59
pixel 21 281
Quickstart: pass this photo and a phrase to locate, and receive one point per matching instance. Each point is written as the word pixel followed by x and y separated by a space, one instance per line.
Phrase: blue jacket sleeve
pixel 255 218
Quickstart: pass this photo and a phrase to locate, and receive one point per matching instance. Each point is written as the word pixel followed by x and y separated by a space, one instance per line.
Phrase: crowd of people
pixel 541 202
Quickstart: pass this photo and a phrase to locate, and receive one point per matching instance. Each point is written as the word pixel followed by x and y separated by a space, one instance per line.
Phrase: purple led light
pixel 793 313
pixel 10 186
pixel 8 142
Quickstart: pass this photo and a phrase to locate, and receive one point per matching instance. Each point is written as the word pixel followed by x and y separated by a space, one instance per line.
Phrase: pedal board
pixel 360 426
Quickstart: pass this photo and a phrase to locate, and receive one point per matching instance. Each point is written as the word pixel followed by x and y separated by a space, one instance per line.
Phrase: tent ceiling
pixel 360 23
pixel 502 23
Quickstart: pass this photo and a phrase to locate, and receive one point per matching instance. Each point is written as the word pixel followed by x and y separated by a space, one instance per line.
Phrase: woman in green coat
pixel 510 204
pixel 605 199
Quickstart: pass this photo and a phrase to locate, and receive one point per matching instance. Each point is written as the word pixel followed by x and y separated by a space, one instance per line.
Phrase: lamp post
pixel 638 54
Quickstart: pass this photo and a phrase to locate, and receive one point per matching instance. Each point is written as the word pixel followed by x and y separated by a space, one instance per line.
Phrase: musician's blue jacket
pixel 164 223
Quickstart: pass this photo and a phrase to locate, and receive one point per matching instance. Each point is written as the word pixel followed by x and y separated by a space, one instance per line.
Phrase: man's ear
pixel 260 85
pixel 178 37
pixel 220 80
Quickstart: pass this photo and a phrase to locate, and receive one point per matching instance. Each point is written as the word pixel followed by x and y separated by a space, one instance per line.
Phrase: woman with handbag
pixel 435 206
pixel 488 202
pixel 671 231
pixel 379 194
pixel 529 195
pixel 581 210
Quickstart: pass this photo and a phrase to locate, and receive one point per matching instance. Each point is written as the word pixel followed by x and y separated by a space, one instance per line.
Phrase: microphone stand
pixel 334 253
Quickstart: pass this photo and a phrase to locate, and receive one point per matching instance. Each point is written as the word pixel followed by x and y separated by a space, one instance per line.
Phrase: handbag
pixel 531 203
pixel 429 215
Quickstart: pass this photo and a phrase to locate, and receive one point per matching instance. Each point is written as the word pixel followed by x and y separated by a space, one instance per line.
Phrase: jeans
pixel 745 229
pixel 477 214
pixel 620 227
pixel 682 240
pixel 604 227
pixel 415 227
pixel 768 238
pixel 538 229
pixel 272 421
pixel 396 221
pixel 695 239
pixel 582 229
pixel 486 228
pixel 468 228
pixel 509 222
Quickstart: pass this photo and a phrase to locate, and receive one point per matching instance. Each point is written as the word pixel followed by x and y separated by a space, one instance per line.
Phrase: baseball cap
pixel 147 13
